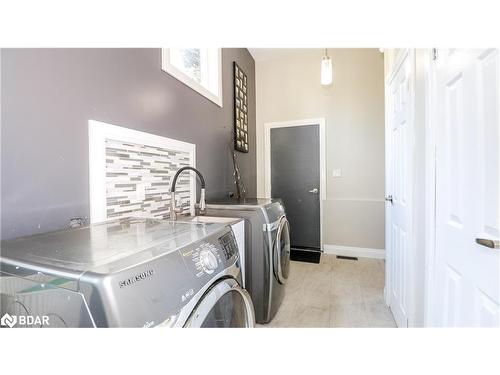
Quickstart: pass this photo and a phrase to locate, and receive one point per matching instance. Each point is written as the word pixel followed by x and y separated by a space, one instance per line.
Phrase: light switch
pixel 337 173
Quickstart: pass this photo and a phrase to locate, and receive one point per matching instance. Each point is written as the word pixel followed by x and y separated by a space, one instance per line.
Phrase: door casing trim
pixel 321 122
pixel 430 186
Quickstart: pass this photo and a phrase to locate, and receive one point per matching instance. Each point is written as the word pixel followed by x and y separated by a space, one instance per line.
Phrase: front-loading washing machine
pixel 132 272
pixel 267 249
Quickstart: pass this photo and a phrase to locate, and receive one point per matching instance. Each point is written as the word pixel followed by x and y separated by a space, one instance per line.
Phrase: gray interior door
pixel 295 178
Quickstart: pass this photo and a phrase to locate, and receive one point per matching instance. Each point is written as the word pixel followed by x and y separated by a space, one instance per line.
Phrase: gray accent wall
pixel 47 98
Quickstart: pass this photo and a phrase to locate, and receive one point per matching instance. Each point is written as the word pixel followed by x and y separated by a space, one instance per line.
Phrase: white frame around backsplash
pixel 98 133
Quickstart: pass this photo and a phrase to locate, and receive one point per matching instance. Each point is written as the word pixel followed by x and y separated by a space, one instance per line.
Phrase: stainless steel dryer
pixel 267 249
pixel 126 273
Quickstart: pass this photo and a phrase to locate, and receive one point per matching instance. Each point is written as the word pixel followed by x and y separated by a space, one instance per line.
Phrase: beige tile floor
pixel 334 293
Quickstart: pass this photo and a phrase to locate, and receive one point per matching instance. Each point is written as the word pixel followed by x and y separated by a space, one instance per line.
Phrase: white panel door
pixel 466 274
pixel 399 139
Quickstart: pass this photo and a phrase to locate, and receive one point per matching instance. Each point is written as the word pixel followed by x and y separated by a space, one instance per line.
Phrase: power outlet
pixel 337 173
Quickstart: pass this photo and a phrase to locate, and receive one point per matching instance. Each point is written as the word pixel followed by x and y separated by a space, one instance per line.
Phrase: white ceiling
pixel 260 54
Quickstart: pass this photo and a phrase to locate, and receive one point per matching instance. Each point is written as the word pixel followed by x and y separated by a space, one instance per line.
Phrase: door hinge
pixel 434 54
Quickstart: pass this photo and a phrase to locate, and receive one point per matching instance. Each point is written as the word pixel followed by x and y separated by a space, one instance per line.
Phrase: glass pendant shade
pixel 326 71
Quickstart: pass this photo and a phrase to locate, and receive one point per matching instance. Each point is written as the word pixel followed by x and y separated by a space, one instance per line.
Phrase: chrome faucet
pixel 173 209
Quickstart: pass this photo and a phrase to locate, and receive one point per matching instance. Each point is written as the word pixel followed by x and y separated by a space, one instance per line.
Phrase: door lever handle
pixel 388 198
pixel 493 244
pixel 314 191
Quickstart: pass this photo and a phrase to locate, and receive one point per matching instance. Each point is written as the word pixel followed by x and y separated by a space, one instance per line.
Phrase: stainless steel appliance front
pixel 124 273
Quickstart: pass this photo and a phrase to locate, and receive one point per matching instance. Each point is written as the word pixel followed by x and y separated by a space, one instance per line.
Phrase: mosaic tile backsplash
pixel 138 179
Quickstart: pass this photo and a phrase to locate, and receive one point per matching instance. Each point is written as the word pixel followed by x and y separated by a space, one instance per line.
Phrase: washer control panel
pixel 210 256
pixel 206 259
pixel 228 244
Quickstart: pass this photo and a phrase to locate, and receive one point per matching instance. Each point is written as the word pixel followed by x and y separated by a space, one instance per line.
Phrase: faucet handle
pixel 174 212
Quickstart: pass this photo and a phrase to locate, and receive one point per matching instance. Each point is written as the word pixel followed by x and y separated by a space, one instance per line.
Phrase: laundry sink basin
pixel 209 219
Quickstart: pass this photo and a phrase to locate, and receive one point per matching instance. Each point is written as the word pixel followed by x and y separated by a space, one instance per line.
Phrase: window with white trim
pixel 198 68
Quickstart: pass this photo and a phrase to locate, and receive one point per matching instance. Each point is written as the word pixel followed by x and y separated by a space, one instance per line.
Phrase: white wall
pixel 288 88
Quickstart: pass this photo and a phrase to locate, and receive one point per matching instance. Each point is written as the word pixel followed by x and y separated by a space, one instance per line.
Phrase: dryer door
pixel 224 305
pixel 281 251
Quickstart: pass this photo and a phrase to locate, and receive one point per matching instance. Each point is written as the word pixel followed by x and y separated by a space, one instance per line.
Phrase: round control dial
pixel 208 261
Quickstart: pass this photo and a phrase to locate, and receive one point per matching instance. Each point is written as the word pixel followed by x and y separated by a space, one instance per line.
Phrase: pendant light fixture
pixel 326 70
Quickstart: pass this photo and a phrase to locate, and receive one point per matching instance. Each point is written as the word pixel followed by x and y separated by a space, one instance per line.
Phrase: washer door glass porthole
pixel 282 251
pixel 225 305
pixel 228 312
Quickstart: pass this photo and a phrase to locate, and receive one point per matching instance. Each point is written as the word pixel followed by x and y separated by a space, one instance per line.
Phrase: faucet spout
pixel 173 209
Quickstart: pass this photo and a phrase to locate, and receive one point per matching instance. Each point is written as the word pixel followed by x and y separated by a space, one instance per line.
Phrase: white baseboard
pixel 350 251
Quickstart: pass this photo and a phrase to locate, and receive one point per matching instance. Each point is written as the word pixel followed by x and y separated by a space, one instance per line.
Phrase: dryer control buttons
pixel 229 245
pixel 208 261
